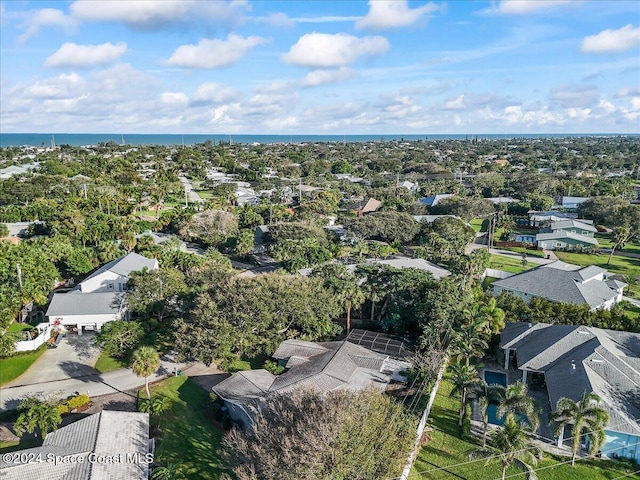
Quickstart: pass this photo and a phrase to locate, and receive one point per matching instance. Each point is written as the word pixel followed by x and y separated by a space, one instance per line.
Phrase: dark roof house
pixel 562 282
pixel 321 367
pixel 577 359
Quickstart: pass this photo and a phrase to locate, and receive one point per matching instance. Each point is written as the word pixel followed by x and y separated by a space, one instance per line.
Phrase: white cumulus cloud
pixel 323 50
pixel 83 56
pixel 612 41
pixel 212 53
pixel 157 14
pixel 523 7
pixel 321 77
pixel 385 14
pixel 212 93
pixel 46 17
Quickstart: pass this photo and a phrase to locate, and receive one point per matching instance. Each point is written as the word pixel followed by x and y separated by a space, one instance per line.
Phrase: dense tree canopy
pixel 332 436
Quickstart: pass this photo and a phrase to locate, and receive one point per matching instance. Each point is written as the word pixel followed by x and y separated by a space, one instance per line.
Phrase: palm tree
pixel 511 445
pixel 156 406
pixel 493 315
pixel 487 394
pixel 37 414
pixel 170 471
pixel 518 402
pixel 468 342
pixel 588 419
pixel 146 361
pixel 464 377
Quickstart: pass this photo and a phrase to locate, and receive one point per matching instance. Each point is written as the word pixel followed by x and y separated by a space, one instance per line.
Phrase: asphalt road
pixel 94 384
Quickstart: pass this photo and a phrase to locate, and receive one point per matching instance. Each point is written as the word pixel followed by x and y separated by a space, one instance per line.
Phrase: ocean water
pixel 80 139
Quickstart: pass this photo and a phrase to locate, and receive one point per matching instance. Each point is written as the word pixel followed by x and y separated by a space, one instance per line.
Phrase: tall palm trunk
pixel 504 471
pixel 146 386
pixel 348 317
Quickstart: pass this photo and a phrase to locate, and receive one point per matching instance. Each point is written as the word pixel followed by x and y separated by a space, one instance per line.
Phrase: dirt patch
pixel 121 401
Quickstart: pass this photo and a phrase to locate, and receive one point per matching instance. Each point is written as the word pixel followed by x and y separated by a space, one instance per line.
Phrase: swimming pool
pixel 495 378
pixel 500 379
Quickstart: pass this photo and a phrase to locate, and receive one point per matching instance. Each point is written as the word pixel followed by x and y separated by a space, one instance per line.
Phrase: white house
pixel 100 298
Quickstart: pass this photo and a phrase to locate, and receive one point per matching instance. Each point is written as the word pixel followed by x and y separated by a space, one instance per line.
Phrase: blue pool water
pixel 499 379
pixel 495 378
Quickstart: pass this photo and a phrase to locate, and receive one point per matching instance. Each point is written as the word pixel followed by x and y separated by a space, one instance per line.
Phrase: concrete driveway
pixel 75 357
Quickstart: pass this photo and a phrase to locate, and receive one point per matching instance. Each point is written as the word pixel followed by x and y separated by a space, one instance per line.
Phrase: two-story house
pixel 99 298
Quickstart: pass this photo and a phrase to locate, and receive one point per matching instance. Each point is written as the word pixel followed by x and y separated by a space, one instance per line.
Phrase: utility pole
pixel 19 270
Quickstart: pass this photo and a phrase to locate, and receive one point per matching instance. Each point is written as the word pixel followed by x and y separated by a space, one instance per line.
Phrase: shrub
pixel 62 409
pixel 273 367
pixel 78 401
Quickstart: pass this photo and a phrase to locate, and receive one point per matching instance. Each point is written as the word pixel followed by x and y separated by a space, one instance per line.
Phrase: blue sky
pixel 320 67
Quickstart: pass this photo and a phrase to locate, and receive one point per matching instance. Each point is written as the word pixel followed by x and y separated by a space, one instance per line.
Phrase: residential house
pixel 502 200
pixel 567 234
pixel 572 203
pixel 562 282
pixel 99 298
pixel 159 238
pixel 399 262
pixel 323 367
pixel 502 162
pixel 433 200
pixel 411 186
pixel 365 206
pixel 578 359
pixel 102 446
pixel 537 219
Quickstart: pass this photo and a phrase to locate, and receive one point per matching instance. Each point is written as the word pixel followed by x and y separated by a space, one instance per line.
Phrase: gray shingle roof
pixel 573 223
pixel 131 262
pixel 319 366
pixel 561 282
pixel 78 303
pixel 576 359
pixel 105 433
pixel 563 235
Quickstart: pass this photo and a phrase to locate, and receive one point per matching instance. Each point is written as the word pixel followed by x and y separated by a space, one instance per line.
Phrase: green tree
pixel 587 418
pixel 341 432
pixel 510 445
pixel 156 292
pixel 118 338
pixel 36 413
pixel 344 284
pixel 170 471
pixel 486 395
pixel 156 406
pixel 211 227
pixel 469 342
pixel 620 237
pixel 493 315
pixel 7 345
pixel 145 362
pixel 244 242
pixel 518 402
pixel 464 378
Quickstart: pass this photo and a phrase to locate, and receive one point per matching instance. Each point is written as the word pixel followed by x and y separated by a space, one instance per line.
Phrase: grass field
pixel 6 447
pixel 477 224
pixel 621 265
pixel 189 437
pixel 513 265
pixel 446 456
pixel 19 327
pixel 12 367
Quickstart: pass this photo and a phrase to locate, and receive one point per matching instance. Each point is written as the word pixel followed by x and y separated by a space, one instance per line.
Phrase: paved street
pixel 94 384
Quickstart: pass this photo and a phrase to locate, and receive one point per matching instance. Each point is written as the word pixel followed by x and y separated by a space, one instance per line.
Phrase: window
pixel 110 286
pixel 584 232
pixel 558 244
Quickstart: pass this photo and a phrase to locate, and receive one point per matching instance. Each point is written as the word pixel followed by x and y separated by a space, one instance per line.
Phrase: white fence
pixel 494 273
pixel 423 423
pixel 43 336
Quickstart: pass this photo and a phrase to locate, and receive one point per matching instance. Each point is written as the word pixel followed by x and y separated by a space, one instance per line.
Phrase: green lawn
pixel 19 327
pixel 446 456
pixel 530 253
pixel 247 363
pixel 478 223
pixel 189 437
pixel 513 265
pixel 106 363
pixel 12 367
pixel 6 447
pixel 621 265
pixel 604 239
